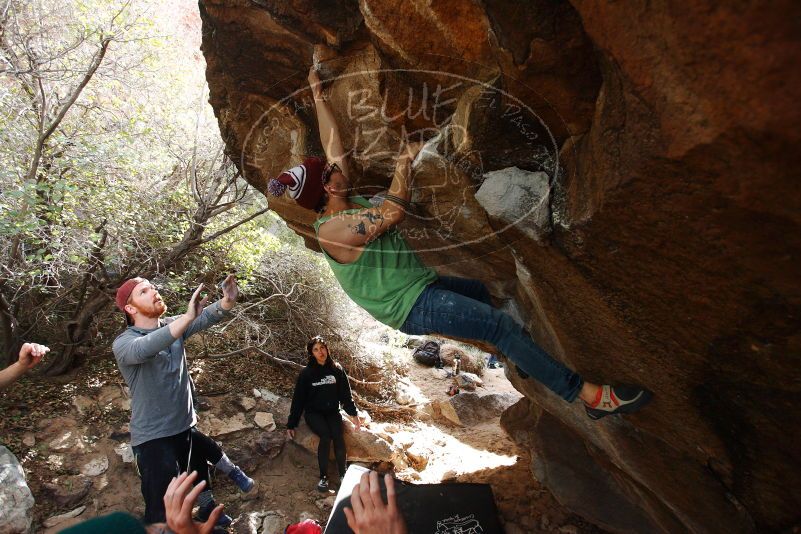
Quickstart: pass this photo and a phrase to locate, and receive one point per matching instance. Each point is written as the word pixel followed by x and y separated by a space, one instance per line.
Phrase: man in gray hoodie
pixel 151 357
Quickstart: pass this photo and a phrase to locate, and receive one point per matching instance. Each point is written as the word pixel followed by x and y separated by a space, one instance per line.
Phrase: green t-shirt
pixel 388 276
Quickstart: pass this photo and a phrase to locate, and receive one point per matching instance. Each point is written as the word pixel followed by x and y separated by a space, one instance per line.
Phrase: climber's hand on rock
pixel 410 150
pixel 314 83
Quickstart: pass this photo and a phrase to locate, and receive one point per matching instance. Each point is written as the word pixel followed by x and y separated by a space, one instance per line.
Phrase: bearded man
pixel 150 355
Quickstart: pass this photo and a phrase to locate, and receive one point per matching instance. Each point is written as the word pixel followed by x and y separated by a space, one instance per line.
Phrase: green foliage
pixel 132 126
pixel 121 184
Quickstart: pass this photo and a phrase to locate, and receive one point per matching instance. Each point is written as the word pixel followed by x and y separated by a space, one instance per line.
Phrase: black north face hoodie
pixel 320 388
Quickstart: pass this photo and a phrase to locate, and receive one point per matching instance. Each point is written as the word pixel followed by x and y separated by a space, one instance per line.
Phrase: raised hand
pixel 196 304
pixel 314 83
pixel 230 291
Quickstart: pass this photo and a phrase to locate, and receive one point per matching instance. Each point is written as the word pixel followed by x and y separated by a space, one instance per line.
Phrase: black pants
pixel 328 427
pixel 161 459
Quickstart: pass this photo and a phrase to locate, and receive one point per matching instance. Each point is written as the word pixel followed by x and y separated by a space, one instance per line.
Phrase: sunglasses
pixel 330 169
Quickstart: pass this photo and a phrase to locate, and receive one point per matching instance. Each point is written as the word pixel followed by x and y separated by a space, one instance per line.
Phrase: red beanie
pixel 305 182
pixel 125 290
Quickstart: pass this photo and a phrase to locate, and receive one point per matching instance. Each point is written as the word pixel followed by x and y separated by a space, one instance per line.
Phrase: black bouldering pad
pixel 456 508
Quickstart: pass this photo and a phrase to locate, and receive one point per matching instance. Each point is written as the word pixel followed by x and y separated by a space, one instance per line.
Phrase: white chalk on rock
pixel 517 197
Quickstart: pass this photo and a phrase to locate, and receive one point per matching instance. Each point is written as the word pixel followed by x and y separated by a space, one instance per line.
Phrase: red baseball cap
pixel 125 290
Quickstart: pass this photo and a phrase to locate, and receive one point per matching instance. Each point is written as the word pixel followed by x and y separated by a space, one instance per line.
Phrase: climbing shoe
pixel 323 484
pixel 243 482
pixel 616 400
pixel 204 512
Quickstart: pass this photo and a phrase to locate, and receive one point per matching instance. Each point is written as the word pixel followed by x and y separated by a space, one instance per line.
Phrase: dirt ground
pixel 58 427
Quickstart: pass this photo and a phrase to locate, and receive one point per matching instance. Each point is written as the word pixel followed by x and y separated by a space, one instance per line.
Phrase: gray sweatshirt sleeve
pixel 211 315
pixel 130 349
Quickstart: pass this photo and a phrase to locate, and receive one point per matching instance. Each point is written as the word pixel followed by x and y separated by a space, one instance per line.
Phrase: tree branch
pixel 96 61
pixel 227 229
pixel 299 366
pixel 44 135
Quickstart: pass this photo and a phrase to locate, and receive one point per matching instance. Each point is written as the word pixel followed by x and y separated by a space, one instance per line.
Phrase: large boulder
pixel 363 446
pixel 577 474
pixel 16 499
pixel 668 135
pixel 468 409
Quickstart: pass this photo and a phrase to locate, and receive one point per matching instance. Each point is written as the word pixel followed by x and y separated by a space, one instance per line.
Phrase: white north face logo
pixel 330 379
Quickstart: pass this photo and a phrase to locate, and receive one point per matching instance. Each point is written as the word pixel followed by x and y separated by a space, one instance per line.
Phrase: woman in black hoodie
pixel 321 387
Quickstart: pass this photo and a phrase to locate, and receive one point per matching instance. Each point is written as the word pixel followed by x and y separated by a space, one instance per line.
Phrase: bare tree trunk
pixel 189 241
pixel 8 323
pixel 78 329
pixel 46 133
pixel 46 130
pixel 77 333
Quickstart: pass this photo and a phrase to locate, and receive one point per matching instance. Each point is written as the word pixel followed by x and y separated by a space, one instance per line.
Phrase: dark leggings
pixel 328 427
pixel 161 459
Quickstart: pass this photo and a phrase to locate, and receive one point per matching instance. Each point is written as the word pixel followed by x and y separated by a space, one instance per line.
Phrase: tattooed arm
pixel 396 201
pixel 344 235
pixel 400 192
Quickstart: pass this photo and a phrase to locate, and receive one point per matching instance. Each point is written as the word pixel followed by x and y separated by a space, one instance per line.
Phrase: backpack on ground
pixel 428 354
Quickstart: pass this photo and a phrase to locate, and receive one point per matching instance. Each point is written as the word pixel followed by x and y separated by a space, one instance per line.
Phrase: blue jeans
pixel 462 308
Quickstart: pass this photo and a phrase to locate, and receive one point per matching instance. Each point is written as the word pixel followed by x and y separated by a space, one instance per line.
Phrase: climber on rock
pixel 382 274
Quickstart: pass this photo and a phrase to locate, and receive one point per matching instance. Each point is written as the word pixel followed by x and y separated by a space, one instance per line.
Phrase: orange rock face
pixel 670 136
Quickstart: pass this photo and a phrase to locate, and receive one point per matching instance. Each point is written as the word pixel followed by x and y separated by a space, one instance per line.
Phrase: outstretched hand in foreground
pixel 179 499
pixel 370 515
pixel 31 354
